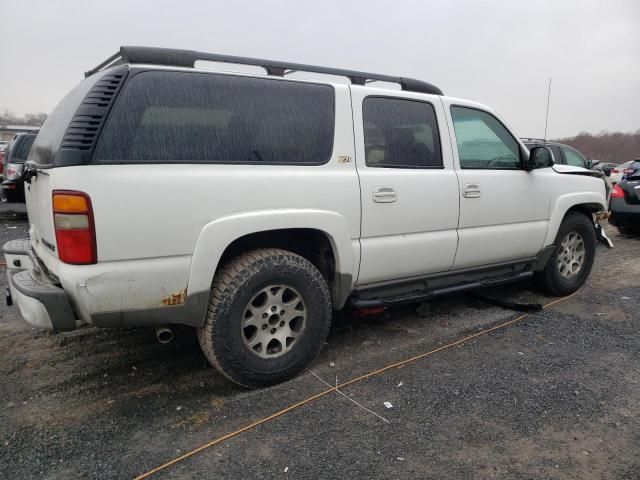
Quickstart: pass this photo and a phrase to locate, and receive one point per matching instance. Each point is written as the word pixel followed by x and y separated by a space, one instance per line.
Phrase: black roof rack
pixel 187 58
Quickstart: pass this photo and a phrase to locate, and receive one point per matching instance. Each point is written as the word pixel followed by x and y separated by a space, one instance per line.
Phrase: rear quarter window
pixel 23 149
pixel 186 117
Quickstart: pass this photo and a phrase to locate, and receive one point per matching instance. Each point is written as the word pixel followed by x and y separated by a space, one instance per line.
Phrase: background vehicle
pixel 631 169
pixel 605 168
pixel 566 155
pixel 3 149
pixel 562 154
pixel 625 204
pixel 17 154
pixel 618 172
pixel 300 197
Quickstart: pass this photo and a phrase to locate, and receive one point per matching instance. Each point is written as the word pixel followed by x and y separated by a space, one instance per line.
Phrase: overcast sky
pixel 500 53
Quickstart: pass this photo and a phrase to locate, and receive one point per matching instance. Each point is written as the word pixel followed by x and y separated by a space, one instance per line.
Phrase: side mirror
pixel 539 157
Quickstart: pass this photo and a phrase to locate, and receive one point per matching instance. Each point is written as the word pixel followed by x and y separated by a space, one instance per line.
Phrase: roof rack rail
pixel 187 58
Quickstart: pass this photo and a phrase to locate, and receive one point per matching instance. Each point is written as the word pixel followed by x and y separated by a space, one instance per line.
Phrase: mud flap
pixel 601 235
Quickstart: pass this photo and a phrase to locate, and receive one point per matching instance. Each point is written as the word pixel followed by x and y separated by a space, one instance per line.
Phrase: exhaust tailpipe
pixel 164 334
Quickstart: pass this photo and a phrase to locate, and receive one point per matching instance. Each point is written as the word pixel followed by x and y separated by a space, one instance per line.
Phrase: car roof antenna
pixel 546 119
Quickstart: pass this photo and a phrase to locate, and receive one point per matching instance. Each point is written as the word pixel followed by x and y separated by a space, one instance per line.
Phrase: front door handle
pixel 471 190
pixel 384 194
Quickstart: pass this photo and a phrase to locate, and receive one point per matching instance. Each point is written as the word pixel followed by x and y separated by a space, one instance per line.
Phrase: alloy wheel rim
pixel 273 321
pixel 571 256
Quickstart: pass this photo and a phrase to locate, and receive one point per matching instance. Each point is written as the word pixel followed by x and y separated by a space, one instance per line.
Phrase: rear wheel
pixel 269 315
pixel 572 259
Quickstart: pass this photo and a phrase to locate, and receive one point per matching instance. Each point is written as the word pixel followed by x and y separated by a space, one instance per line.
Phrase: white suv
pixel 250 206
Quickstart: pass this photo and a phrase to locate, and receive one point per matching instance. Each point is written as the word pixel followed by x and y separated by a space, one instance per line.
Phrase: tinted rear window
pixel 23 149
pixel 182 117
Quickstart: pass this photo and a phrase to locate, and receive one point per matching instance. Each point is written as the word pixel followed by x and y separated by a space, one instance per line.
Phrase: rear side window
pixel 400 133
pixel 181 117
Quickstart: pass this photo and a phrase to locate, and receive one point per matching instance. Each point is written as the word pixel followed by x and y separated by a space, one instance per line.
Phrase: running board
pixel 415 297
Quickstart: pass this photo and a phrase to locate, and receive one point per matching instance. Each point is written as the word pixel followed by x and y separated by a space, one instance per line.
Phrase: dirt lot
pixel 554 396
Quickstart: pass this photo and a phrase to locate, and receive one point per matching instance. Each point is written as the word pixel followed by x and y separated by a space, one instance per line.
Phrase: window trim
pixel 520 152
pixel 409 167
pixel 136 71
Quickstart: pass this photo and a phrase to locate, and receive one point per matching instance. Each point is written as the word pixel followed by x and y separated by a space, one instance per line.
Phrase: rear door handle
pixel 384 194
pixel 471 190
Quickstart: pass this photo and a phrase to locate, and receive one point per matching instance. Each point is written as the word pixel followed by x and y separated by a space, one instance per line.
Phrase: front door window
pixel 483 142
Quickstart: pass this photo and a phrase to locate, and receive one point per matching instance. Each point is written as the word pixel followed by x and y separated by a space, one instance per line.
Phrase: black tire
pixel 234 286
pixel 550 279
pixel 14 196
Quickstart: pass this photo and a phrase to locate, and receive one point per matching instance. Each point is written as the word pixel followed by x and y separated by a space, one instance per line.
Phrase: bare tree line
pixel 34 119
pixel 616 147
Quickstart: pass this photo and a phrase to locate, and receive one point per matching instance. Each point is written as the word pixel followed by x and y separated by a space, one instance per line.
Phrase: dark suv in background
pixel 13 163
pixel 566 155
pixel 563 154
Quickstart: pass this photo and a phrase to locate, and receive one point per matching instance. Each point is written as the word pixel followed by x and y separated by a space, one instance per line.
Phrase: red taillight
pixel 617 192
pixel 615 170
pixel 75 231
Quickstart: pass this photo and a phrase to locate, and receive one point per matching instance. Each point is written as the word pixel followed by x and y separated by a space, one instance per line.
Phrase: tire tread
pixel 226 283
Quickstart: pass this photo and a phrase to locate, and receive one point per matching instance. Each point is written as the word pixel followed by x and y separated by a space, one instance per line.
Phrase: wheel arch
pixel 322 237
pixel 586 203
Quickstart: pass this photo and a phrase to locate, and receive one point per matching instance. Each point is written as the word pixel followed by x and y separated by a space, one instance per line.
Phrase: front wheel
pixel 269 315
pixel 572 259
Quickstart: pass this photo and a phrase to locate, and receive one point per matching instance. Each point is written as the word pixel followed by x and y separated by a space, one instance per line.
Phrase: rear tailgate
pixel 41 230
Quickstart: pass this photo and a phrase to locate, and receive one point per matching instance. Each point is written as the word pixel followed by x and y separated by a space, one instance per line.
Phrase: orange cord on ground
pixel 340 386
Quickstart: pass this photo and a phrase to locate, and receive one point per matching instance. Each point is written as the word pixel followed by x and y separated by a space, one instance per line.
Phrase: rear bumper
pixel 623 213
pixel 41 301
pixel 9 184
pixel 88 293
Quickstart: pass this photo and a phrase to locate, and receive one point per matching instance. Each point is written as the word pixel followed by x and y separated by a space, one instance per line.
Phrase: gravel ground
pixel 556 395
